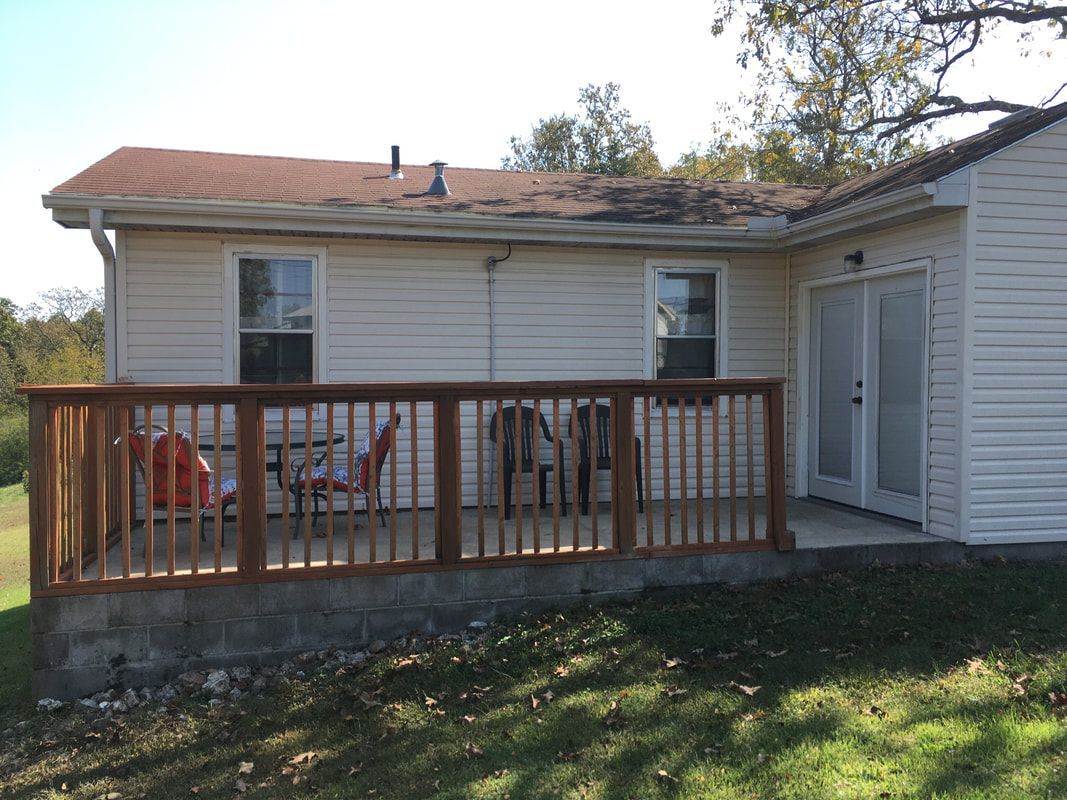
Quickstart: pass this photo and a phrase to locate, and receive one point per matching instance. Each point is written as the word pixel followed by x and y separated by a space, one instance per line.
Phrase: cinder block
pixel 73 613
pixel 454 617
pixel 222 602
pixel 731 567
pixel 616 574
pixel 148 673
pixel 388 623
pixel 68 684
pixel 186 640
pixel 260 633
pixel 294 597
pixel 111 646
pixel 494 583
pixel 146 608
pixel 319 629
pixel 557 579
pixel 51 650
pixel 674 571
pixel 943 553
pixel 363 591
pixel 421 588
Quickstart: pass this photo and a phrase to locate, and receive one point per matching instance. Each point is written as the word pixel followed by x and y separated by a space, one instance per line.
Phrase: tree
pixel 602 140
pixel 845 85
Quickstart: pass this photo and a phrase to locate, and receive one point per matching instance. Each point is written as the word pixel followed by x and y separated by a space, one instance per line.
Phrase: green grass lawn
pixel 14 602
pixel 909 683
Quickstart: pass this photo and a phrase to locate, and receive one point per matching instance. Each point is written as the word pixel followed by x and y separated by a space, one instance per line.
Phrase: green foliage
pixel 603 140
pixel 849 85
pixel 59 339
pixel 14 447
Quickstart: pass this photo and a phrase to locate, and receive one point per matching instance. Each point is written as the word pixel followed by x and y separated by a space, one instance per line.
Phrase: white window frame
pixel 232 253
pixel 720 269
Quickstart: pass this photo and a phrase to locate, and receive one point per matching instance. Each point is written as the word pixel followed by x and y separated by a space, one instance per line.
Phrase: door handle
pixel 858 400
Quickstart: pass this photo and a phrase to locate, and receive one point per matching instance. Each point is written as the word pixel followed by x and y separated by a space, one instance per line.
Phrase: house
pixel 896 343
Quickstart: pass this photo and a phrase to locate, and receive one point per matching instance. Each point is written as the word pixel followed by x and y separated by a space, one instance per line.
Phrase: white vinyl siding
pixel 1018 455
pixel 405 311
pixel 937 239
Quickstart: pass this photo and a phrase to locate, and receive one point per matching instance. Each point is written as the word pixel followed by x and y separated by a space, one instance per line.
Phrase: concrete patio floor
pixel 815 524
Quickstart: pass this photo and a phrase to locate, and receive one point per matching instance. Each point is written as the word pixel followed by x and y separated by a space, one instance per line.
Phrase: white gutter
pixel 70 210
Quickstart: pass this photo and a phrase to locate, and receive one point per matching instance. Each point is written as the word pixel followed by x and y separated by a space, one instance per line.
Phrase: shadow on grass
pixel 14 662
pixel 870 696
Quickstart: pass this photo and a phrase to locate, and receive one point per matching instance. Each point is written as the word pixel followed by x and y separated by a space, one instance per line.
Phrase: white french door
pixel 865 394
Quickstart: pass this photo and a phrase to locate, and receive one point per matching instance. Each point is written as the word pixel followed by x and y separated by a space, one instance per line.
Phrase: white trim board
pixel 803 368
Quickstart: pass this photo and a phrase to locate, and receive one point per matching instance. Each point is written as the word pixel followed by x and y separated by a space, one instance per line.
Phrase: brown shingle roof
pixel 148 172
pixel 157 173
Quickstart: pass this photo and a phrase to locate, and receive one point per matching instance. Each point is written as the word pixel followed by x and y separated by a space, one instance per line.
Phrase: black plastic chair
pixel 530 447
pixel 603 452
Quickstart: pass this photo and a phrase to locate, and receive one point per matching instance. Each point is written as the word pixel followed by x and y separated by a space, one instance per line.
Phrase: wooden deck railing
pixel 656 467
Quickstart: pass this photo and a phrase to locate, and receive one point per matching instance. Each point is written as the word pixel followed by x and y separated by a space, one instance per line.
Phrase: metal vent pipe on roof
pixel 438 186
pixel 395 174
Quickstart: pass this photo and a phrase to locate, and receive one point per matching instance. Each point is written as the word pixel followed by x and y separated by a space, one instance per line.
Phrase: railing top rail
pixel 406 390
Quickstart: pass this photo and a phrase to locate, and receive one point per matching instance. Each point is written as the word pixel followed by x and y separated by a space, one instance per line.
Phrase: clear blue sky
pixel 343 80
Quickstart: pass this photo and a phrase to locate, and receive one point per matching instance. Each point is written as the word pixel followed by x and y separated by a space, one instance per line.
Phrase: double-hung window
pixel 687 323
pixel 276 319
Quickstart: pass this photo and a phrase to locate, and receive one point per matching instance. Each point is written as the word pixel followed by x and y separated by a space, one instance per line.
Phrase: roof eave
pixel 71 210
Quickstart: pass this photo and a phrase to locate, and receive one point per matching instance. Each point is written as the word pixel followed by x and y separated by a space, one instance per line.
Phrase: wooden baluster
pixel 372 485
pixel 100 447
pixel 217 453
pixel 556 484
pixel 666 454
pixel 649 516
pixel 55 479
pixel 500 505
pixel 329 484
pixel 287 483
pixel 715 476
pixel 535 475
pixel 593 444
pixel 172 527
pixel 520 441
pixel 732 406
pixel 309 458
pixel 683 477
pixel 576 511
pixel 479 422
pixel 194 489
pixel 394 433
pixel 699 435
pixel 446 449
pixel 615 454
pixel 750 467
pixel 251 460
pixel 149 492
pixel 413 421
pixel 351 468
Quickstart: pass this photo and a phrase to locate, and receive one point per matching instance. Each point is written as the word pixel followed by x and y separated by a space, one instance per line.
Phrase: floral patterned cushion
pixel 362 468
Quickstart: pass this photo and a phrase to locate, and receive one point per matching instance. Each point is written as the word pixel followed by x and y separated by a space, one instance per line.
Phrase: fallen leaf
pixel 355 770
pixel 777 653
pixel 663 775
pixel 241 786
pixel 567 756
pixel 671 663
pixel 469 719
pixel 1059 703
pixel 534 703
pixel 740 688
pixel 548 697
pixel 761 758
pixel 674 690
pixel 614 715
pixel 473 751
pixel 751 642
pixel 430 702
pixel 303 758
pixel 245 768
pixel 875 711
pixel 976 666
pixel 561 671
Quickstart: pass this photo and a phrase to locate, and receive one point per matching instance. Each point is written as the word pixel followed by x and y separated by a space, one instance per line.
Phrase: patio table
pixel 275 445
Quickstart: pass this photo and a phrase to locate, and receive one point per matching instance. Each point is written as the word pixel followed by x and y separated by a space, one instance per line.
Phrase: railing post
pixel 251 460
pixel 90 479
pixel 623 455
pixel 775 440
pixel 446 491
pixel 40 482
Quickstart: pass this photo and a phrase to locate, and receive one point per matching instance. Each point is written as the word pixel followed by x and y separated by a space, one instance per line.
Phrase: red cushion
pixel 161 443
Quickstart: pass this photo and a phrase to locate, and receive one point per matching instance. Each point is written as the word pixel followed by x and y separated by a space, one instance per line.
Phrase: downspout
pixel 107 253
pixel 490 266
